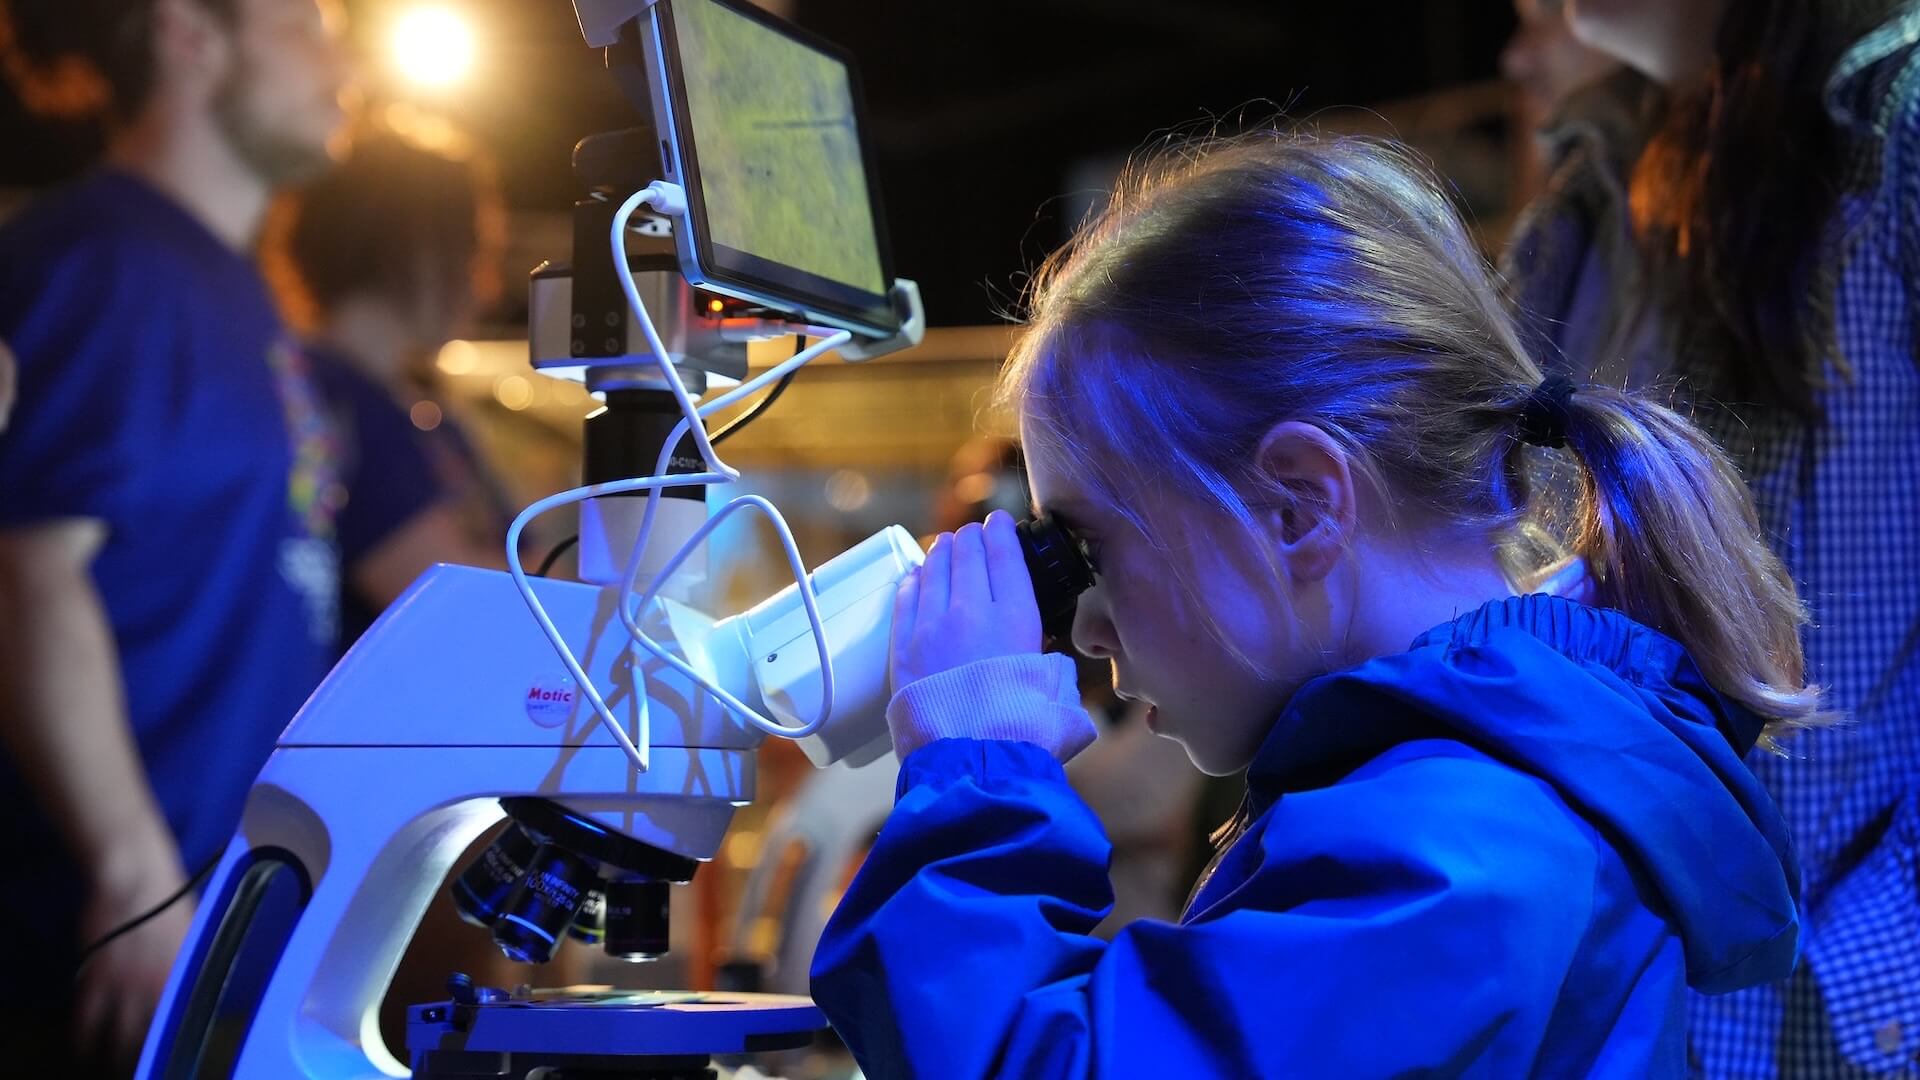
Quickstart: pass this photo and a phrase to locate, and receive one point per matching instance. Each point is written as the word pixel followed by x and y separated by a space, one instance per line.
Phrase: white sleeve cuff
pixel 1033 697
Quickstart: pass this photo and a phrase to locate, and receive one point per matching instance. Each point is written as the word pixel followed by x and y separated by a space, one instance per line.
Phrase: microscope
pixel 614 737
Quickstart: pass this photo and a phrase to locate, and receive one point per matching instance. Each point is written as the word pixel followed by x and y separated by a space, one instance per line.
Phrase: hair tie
pixel 1545 412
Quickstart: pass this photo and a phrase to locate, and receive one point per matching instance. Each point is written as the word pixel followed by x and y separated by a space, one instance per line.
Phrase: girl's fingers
pixel 968 581
pixel 905 607
pixel 934 578
pixel 900 659
pixel 1006 562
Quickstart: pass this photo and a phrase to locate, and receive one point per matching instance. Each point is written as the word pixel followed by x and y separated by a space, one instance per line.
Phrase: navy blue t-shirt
pixel 387 476
pixel 159 394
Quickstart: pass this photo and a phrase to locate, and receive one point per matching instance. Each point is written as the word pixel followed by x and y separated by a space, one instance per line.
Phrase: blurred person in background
pixel 168 580
pixel 381 262
pixel 1545 63
pixel 1740 223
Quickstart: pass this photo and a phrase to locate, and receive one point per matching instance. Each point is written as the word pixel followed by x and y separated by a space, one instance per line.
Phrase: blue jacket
pixel 1502 852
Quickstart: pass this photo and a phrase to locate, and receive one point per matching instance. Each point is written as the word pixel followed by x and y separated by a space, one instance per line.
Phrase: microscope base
pixel 598 1033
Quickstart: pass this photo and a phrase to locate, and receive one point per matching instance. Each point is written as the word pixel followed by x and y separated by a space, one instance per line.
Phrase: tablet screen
pixel 780 179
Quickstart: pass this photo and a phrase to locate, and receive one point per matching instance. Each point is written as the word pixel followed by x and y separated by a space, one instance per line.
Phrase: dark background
pixel 984 114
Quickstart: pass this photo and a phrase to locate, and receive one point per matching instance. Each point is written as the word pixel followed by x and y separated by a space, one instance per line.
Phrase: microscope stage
pixel 597 1027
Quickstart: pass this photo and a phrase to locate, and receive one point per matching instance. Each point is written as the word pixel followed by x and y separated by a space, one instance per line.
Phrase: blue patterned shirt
pixel 1840 500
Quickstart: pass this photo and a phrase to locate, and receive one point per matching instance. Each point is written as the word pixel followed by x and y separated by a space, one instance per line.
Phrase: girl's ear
pixel 1311 510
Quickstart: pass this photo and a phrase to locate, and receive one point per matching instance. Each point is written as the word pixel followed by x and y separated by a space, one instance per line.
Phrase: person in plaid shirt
pixel 1737 216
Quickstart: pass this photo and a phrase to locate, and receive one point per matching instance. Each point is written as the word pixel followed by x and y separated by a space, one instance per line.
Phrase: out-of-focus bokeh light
pixel 432 46
pixel 848 490
pixel 458 357
pixel 514 391
pixel 425 415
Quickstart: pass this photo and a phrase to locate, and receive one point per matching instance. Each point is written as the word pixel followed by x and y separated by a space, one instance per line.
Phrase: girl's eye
pixel 1091 551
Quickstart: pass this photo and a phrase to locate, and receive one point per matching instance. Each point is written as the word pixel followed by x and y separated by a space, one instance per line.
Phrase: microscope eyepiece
pixel 1061 570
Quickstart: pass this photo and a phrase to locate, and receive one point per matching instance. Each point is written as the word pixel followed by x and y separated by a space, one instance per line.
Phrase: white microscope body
pixel 453 701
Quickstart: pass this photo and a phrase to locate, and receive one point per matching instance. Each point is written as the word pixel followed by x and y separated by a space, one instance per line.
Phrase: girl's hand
pixel 971 600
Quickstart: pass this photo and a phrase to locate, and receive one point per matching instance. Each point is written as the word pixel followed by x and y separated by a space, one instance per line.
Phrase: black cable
pixel 753 413
pixel 138 921
pixel 553 556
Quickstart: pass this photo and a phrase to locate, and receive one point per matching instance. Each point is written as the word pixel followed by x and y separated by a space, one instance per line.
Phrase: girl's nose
pixel 1093 634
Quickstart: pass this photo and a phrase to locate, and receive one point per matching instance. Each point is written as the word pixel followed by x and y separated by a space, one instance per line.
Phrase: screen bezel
pixel 743 273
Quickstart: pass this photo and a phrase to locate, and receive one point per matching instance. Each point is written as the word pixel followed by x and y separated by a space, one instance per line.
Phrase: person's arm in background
pixel 63 717
pixel 68 465
pixel 434 535
pixel 399 517
pixel 9 379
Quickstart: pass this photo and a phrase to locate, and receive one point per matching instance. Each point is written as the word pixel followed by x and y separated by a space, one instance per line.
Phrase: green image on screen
pixel 779 160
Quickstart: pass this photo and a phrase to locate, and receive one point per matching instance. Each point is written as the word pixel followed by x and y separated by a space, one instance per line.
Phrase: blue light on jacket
pixel 1503 852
